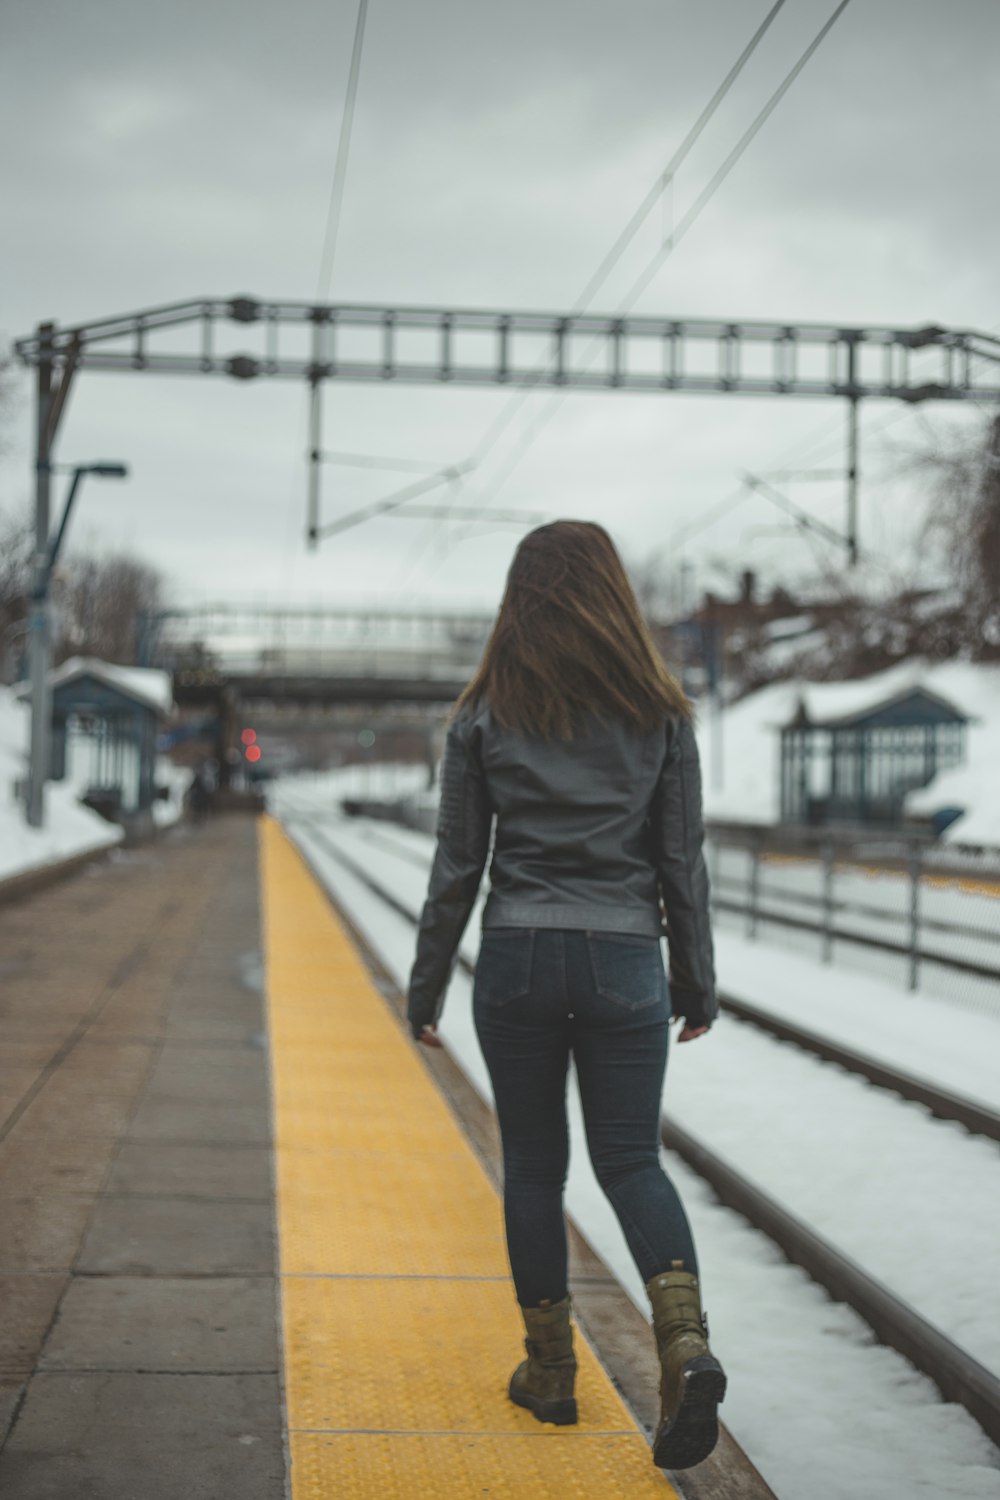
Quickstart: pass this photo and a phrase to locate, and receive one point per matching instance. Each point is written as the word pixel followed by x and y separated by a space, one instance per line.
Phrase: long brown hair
pixel 570 641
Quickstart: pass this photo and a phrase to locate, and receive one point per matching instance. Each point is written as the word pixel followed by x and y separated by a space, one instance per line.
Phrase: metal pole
pixel 39 643
pixel 852 474
pixel 915 869
pixel 715 677
pixel 312 522
pixel 754 886
pixel 827 902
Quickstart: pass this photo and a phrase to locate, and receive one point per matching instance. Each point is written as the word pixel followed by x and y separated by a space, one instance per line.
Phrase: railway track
pixel 977 1118
pixel 958 1376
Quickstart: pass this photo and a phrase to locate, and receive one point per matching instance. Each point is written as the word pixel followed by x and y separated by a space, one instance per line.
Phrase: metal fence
pixel 896 900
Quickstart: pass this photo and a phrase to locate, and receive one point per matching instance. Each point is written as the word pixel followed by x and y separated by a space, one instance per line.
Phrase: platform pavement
pixel 138 1342
pixel 138 1334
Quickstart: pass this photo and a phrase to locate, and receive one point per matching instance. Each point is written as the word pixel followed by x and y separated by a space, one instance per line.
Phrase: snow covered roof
pixel 828 703
pixel 147 685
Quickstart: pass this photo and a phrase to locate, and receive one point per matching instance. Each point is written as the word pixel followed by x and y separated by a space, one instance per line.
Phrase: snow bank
pixel 69 827
pixel 176 779
pixel 976 785
pixel 740 774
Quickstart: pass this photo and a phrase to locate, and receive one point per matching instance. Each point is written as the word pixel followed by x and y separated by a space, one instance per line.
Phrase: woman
pixel 577 741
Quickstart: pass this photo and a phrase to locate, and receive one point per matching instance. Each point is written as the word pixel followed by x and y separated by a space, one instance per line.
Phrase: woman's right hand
pixel 689 1033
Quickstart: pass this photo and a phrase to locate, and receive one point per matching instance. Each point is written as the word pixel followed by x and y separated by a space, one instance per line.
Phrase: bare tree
pixel 963 529
pixel 17 543
pixel 101 604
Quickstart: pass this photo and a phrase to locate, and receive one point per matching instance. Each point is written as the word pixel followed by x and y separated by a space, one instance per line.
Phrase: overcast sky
pixel 160 152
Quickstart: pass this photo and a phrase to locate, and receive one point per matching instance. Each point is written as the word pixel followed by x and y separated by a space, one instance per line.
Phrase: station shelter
pixel 846 761
pixel 105 721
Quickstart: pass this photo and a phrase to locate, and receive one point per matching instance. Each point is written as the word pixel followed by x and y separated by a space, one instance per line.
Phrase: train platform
pixel 250 1238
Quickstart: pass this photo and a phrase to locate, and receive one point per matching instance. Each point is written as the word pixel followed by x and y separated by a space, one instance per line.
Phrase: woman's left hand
pixel 429 1038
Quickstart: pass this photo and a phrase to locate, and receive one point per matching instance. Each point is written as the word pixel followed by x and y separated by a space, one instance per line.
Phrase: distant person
pixel 577 741
pixel 201 793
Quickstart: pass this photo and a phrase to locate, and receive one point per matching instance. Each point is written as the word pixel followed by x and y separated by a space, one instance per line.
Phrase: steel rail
pixel 958 1376
pixel 978 1119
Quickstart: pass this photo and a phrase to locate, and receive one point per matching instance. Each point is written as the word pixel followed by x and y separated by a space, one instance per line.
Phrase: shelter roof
pixel 146 686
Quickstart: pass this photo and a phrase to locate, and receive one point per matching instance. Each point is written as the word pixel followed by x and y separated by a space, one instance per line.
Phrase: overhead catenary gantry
pixel 468 347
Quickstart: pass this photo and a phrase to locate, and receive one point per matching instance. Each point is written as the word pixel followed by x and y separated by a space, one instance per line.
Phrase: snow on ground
pixel 176 779
pixel 976 785
pixel 821 1409
pixel 69 828
pixel 378 780
pixel 826 1143
pixel 916 1033
pixel 959 919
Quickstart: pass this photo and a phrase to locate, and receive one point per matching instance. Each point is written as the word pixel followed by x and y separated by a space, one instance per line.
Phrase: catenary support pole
pixel 312 523
pixel 39 642
pixel 852 477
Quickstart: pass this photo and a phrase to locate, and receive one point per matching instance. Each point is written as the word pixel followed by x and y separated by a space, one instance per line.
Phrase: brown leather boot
pixel 692 1382
pixel 543 1383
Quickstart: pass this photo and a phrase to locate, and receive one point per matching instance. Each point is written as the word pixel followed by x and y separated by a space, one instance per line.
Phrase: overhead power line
pixel 715 182
pixel 671 243
pixel 393 501
pixel 502 421
pixel 665 178
pixel 377 461
pixel 482 449
pixel 493 433
pixel 340 169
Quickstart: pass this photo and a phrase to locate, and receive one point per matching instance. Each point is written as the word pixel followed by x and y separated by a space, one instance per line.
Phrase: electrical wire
pixel 627 235
pixel 333 217
pixel 715 182
pixel 494 432
pixel 391 502
pixel 374 461
pixel 664 179
pixel 687 222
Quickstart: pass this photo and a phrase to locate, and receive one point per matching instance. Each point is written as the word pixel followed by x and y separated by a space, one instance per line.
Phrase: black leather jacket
pixel 589 833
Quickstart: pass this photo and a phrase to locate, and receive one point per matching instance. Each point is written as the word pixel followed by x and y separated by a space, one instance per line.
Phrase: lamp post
pixel 40 645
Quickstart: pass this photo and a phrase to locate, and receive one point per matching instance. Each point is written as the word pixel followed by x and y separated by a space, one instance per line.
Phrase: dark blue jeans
pixel 541 994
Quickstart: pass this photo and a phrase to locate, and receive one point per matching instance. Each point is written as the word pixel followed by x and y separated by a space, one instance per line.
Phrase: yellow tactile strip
pixel 399 1320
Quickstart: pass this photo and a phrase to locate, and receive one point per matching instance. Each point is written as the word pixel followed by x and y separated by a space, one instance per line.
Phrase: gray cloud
pixel 187 150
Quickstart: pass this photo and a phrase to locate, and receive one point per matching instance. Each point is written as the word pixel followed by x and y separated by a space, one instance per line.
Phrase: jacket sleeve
pixel 463 837
pixel 678 833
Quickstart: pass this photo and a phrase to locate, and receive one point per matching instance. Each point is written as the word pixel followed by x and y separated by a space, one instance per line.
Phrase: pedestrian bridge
pixel 311 653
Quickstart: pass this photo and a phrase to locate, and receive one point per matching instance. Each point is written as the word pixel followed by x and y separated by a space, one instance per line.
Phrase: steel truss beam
pixel 587 351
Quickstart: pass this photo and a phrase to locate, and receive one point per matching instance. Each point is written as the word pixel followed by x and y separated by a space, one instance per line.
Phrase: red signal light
pixel 253 753
pixel 248 736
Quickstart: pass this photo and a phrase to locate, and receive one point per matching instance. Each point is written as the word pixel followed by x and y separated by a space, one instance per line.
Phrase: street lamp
pixel 40 645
